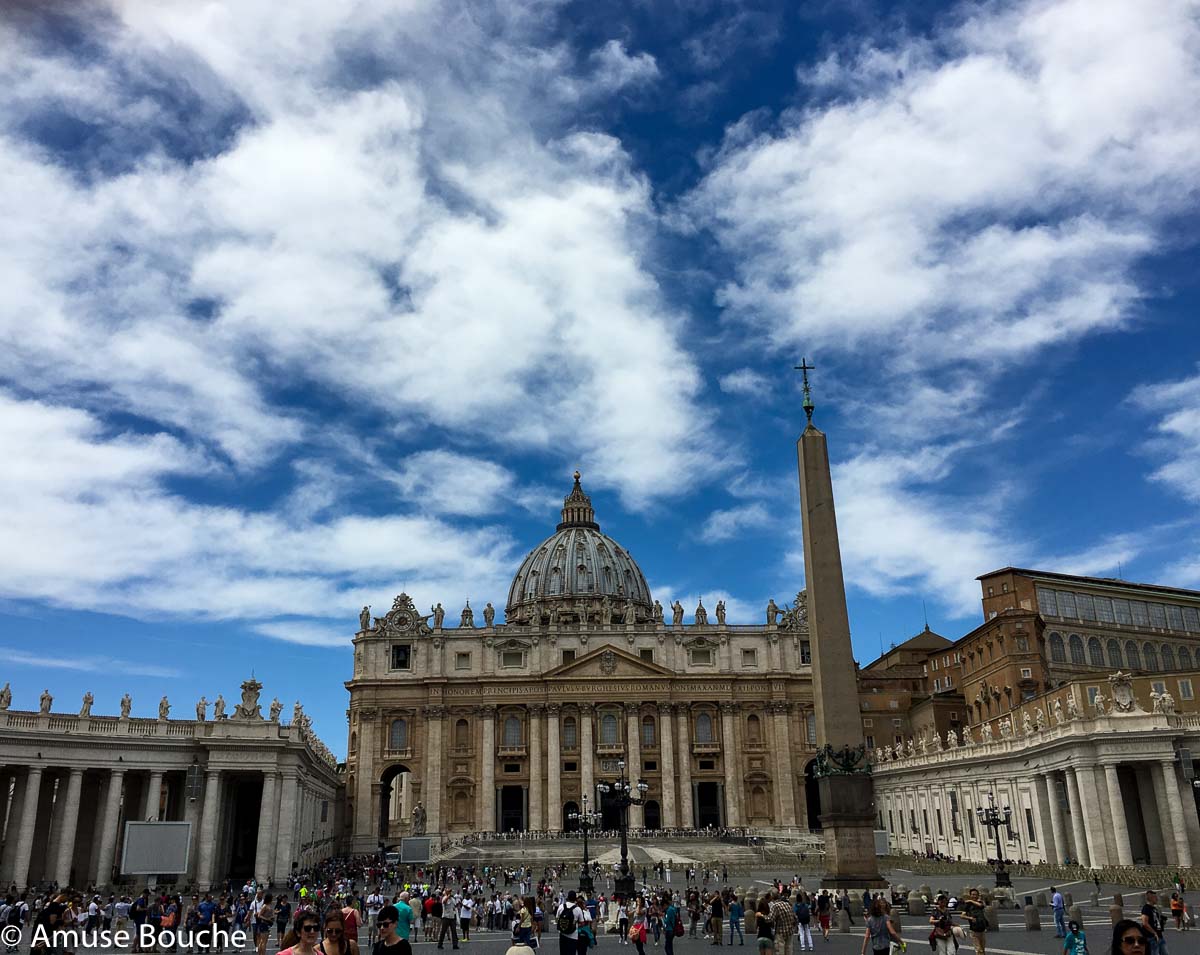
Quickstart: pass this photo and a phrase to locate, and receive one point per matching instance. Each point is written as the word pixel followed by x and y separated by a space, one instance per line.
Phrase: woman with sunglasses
pixel 335 941
pixel 1129 938
pixel 390 941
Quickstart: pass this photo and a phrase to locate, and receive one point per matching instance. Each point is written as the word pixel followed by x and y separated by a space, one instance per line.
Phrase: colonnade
pixel 1100 812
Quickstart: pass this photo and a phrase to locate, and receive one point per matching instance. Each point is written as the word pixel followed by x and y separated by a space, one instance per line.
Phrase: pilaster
pixel 487 755
pixel 785 785
pixel 264 851
pixel 587 751
pixel 433 785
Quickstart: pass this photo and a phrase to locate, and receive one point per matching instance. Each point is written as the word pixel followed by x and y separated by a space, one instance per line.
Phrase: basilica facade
pixel 510 726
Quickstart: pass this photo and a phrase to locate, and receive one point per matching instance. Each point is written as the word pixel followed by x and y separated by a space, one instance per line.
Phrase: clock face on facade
pixel 403 621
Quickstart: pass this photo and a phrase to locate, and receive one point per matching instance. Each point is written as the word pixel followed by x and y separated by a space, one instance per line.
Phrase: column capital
pixel 537 709
pixel 780 707
pixel 632 709
pixel 553 708
pixel 729 706
pixel 433 712
pixel 587 709
pixel 666 709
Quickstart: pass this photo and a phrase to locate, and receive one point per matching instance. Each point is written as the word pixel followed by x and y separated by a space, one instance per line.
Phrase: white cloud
pixel 307 633
pixel 86 664
pixel 616 68
pixel 722 525
pixel 1176 441
pixel 744 381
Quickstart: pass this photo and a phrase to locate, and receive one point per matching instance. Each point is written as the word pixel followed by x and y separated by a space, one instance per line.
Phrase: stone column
pixel 27 825
pixel 686 819
pixel 554 804
pixel 785 784
pixel 1060 849
pixel 537 818
pixel 209 828
pixel 16 810
pixel 264 850
pixel 487 787
pixel 666 748
pixel 1078 830
pixel 1089 798
pixel 1120 828
pixel 286 832
pixel 733 785
pixel 432 788
pixel 633 759
pixel 587 753
pixel 70 823
pixel 108 828
pixel 153 798
pixel 1179 830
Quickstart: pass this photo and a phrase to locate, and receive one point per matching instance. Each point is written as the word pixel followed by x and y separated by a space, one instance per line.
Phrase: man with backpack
pixel 568 919
pixel 803 913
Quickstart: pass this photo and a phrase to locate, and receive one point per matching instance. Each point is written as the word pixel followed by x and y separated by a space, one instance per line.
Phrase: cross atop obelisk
pixel 804 368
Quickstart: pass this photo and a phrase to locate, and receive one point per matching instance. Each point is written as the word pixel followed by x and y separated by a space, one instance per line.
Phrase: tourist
pixel 803 912
pixel 449 922
pixel 671 923
pixel 1129 938
pixel 637 932
pixel 766 928
pixel 263 913
pixel 1075 941
pixel 1177 911
pixel 466 909
pixel 716 917
pixel 303 939
pixel 1152 921
pixel 823 913
pixel 941 938
pixel 351 918
pixel 785 922
pixel 977 922
pixel 623 922
pixel 334 940
pixel 283 914
pixel 735 919
pixel 880 933
pixel 1060 912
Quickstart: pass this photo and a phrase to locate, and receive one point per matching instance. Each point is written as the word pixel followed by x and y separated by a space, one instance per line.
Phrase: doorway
pixel 512 808
pixel 708 805
pixel 610 812
pixel 569 824
pixel 653 815
pixel 390 786
pixel 812 796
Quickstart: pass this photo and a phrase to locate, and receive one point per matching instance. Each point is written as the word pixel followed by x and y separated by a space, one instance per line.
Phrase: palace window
pixel 1141 616
pixel 701 656
pixel 1168 657
pixel 1104 610
pixel 462 661
pixel 811 726
pixel 1076 644
pixel 649 736
pixel 1121 611
pixel 1158 686
pixel 1029 828
pixel 512 658
pixel 1058 652
pixel 1114 654
pixel 1026 673
pixel 805 653
pixel 608 729
pixel 461 734
pixel 1132 656
pixel 753 728
pixel 647 654
pixel 1185 659
pixel 1191 619
pixel 1150 656
pixel 568 656
pixel 1066 604
pixel 1046 602
pixel 749 658
pixel 1095 652
pixel 570 733
pixel 401 656
pixel 1185 689
pixel 1091 695
pixel 398 737
pixel 512 732
pixel 1087 610
pixel 1158 616
pixel 704 728
pixel 870 741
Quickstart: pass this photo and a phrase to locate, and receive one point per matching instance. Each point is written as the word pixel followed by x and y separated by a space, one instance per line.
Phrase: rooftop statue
pixel 88 700
pixel 721 612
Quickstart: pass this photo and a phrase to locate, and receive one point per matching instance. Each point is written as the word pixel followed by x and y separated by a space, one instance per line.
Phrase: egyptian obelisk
pixel 843 774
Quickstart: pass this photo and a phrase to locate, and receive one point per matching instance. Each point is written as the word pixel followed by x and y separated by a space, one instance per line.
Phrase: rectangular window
pixel 1047 603
pixel 749 658
pixel 570 767
pixel 650 765
pixel 805 653
pixel 1104 610
pixel 1026 673
pixel 1191 619
pixel 1091 693
pixel 647 654
pixel 912 819
pixel 701 657
pixel 870 741
pixel 1158 686
pixel 462 661
pixel 893 704
pixel 949 681
pixel 1141 616
pixel 938 813
pixel 1023 644
pixel 970 822
pixel 897 722
pixel 708 764
pixel 1158 616
pixel 1087 610
pixel 1121 611
pixel 901 814
pixel 937 685
pixel 1029 826
pixel 868 723
pixel 512 658
pixel 925 819
pixel 955 825
pixel 1066 604
pixel 324 810
pixel 568 656
pixel 401 656
pixel 1185 690
pixel 512 767
pixel 891 822
pixel 1174 617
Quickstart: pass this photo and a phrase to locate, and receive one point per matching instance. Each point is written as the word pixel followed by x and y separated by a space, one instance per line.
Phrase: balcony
pixel 706 748
pixel 405 753
pixel 510 752
pixel 610 749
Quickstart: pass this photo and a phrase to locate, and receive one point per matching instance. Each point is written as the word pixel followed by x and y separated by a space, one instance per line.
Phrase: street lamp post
pixel 626 794
pixel 992 818
pixel 587 819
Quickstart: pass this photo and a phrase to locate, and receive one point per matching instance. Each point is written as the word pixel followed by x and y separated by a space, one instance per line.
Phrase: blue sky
pixel 300 308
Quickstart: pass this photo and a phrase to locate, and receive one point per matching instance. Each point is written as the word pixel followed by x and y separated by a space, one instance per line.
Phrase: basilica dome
pixel 577 561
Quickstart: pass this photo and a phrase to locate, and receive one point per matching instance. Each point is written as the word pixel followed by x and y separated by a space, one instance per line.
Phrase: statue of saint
pixel 701 613
pixel 219 708
pixel 630 612
pixel 658 612
pixel 276 709
pixel 987 732
pixel 1099 704
pixel 1056 706
pixel 468 617
pixel 438 616
pixel 1026 724
pixel 1039 719
pixel 164 708
pixel 202 709
pixel 364 619
pixel 772 613
pixel 605 610
pixel 489 615
pixel 418 820
pixel 126 706
pixel 297 713
pixel 5 697
pixel 1072 707
pixel 88 700
pixel 951 739
pixel 721 612
pixel 1167 702
pixel 677 614
pixel 46 701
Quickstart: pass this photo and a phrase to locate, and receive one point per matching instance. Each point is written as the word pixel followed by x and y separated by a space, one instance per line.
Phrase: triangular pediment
pixel 608 661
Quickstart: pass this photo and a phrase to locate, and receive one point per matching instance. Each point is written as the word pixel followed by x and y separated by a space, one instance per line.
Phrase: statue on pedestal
pixel 489 615
pixel 202 709
pixel 1072 707
pixel 605 611
pixel 45 702
pixel 1026 724
pixel 987 732
pixel 439 614
pixel 418 820
pixel 772 613
pixel 126 706
pixel 219 708
pixel 721 612
pixel 297 713
pixel 88 700
pixel 1100 703
pixel 1057 710
pixel 276 709
pixel 364 619
pixel 1039 719
pixel 951 739
pixel 677 614
pixel 164 708
pixel 658 612
pixel 5 697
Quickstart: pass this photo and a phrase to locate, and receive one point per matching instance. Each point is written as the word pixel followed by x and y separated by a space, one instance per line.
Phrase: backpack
pixel 14 914
pixel 803 913
pixel 565 922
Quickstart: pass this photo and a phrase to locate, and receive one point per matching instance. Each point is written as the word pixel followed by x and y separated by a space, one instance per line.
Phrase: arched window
pixel 1132 657
pixel 758 802
pixel 648 734
pixel 811 726
pixel 753 728
pixel 704 728
pixel 1150 656
pixel 1076 648
pixel 1058 652
pixel 555 581
pixel 512 731
pixel 462 807
pixel 399 735
pixel 460 734
pixel 354 742
pixel 1185 658
pixel 1168 657
pixel 570 733
pixel 1114 654
pixel 1095 652
pixel 608 729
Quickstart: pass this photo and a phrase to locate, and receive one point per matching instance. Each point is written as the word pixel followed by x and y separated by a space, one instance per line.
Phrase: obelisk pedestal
pixel 843 775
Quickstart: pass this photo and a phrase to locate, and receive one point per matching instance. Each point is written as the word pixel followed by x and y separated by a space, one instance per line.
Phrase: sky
pixel 303 305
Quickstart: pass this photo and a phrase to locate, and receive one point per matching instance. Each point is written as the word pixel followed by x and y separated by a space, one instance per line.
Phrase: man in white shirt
pixel 375 903
pixel 465 909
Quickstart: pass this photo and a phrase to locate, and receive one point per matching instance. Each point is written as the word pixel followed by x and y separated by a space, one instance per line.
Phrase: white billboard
pixel 156 848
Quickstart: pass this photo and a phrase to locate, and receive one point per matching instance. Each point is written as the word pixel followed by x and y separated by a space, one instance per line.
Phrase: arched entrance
pixel 610 812
pixel 569 824
pixel 708 805
pixel 391 783
pixel 812 796
pixel 653 815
